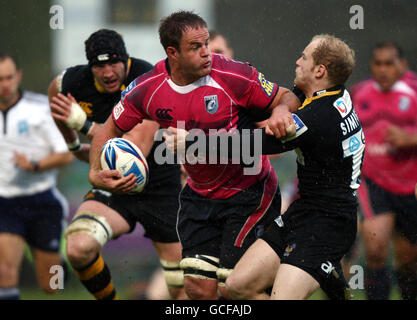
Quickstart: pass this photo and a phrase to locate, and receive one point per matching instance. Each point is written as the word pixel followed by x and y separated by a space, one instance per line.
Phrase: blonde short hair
pixel 336 55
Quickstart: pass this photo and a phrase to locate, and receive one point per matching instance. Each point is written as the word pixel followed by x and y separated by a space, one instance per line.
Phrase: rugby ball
pixel 123 155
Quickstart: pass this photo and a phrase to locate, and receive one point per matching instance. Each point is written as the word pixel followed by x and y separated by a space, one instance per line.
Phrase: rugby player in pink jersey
pixel 387 108
pixel 222 209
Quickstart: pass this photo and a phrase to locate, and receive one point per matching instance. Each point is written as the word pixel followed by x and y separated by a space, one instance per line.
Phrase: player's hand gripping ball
pixel 124 156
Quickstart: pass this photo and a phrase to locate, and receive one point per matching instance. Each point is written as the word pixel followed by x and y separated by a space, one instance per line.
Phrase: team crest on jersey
pixel 211 103
pixel 404 103
pixel 267 86
pixel 118 110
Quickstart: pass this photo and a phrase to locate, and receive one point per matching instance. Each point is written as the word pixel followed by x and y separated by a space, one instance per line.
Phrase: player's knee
pixel 199 289
pixel 81 249
pixel 376 256
pixel 86 234
pixel 8 273
pixel 200 278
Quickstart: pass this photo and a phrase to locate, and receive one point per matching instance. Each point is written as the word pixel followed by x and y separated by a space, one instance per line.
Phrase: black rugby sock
pixel 378 283
pixel 97 279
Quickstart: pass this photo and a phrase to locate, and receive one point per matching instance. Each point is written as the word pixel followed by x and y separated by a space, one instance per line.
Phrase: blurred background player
pixel 32 209
pixel 219 44
pixel 387 108
pixel 82 98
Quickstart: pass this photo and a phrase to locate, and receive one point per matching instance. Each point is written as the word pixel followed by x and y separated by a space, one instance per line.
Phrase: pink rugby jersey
pixel 393 169
pixel 219 100
pixel 409 77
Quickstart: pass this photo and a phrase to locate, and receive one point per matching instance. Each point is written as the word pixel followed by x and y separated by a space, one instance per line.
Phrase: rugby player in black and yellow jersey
pixel 81 98
pixel 301 251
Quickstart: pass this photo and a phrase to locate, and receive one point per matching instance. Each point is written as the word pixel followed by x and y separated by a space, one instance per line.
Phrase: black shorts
pixel 312 240
pixel 155 209
pixel 225 228
pixel 39 218
pixel 375 200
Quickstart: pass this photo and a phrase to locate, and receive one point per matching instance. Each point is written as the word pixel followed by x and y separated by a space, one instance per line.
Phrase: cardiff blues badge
pixel 404 103
pixel 211 103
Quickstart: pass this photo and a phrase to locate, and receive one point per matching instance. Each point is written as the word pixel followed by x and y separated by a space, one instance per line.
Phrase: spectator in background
pixel 32 209
pixel 387 108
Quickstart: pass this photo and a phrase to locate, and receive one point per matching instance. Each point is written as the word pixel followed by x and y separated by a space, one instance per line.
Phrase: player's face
pixel 194 56
pixel 386 67
pixel 110 76
pixel 304 71
pixel 219 45
pixel 10 79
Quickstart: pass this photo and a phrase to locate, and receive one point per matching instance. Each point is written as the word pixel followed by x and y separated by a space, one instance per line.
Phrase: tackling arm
pixel 281 123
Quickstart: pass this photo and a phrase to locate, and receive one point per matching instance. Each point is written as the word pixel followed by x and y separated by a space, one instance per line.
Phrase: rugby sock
pixel 9 294
pixel 97 279
pixel 407 283
pixel 378 283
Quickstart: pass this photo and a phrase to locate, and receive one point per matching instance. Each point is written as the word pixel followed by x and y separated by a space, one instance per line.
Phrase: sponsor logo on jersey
pixel 354 144
pixel 343 104
pixel 128 89
pixel 118 110
pixel 267 86
pixel 87 107
pixel 163 114
pixel 300 128
pixel 211 103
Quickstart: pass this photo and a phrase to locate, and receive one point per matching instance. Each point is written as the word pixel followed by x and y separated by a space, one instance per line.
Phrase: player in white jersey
pixel 32 209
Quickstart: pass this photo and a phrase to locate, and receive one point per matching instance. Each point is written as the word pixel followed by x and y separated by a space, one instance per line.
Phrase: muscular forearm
pixel 84 153
pixel 285 99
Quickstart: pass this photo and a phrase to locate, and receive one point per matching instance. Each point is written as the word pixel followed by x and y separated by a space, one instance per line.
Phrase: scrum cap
pixel 104 46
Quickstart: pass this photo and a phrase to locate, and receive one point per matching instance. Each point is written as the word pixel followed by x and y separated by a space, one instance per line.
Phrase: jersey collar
pixel 322 93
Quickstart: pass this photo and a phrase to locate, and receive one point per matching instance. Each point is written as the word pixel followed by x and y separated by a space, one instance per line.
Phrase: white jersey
pixel 28 128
